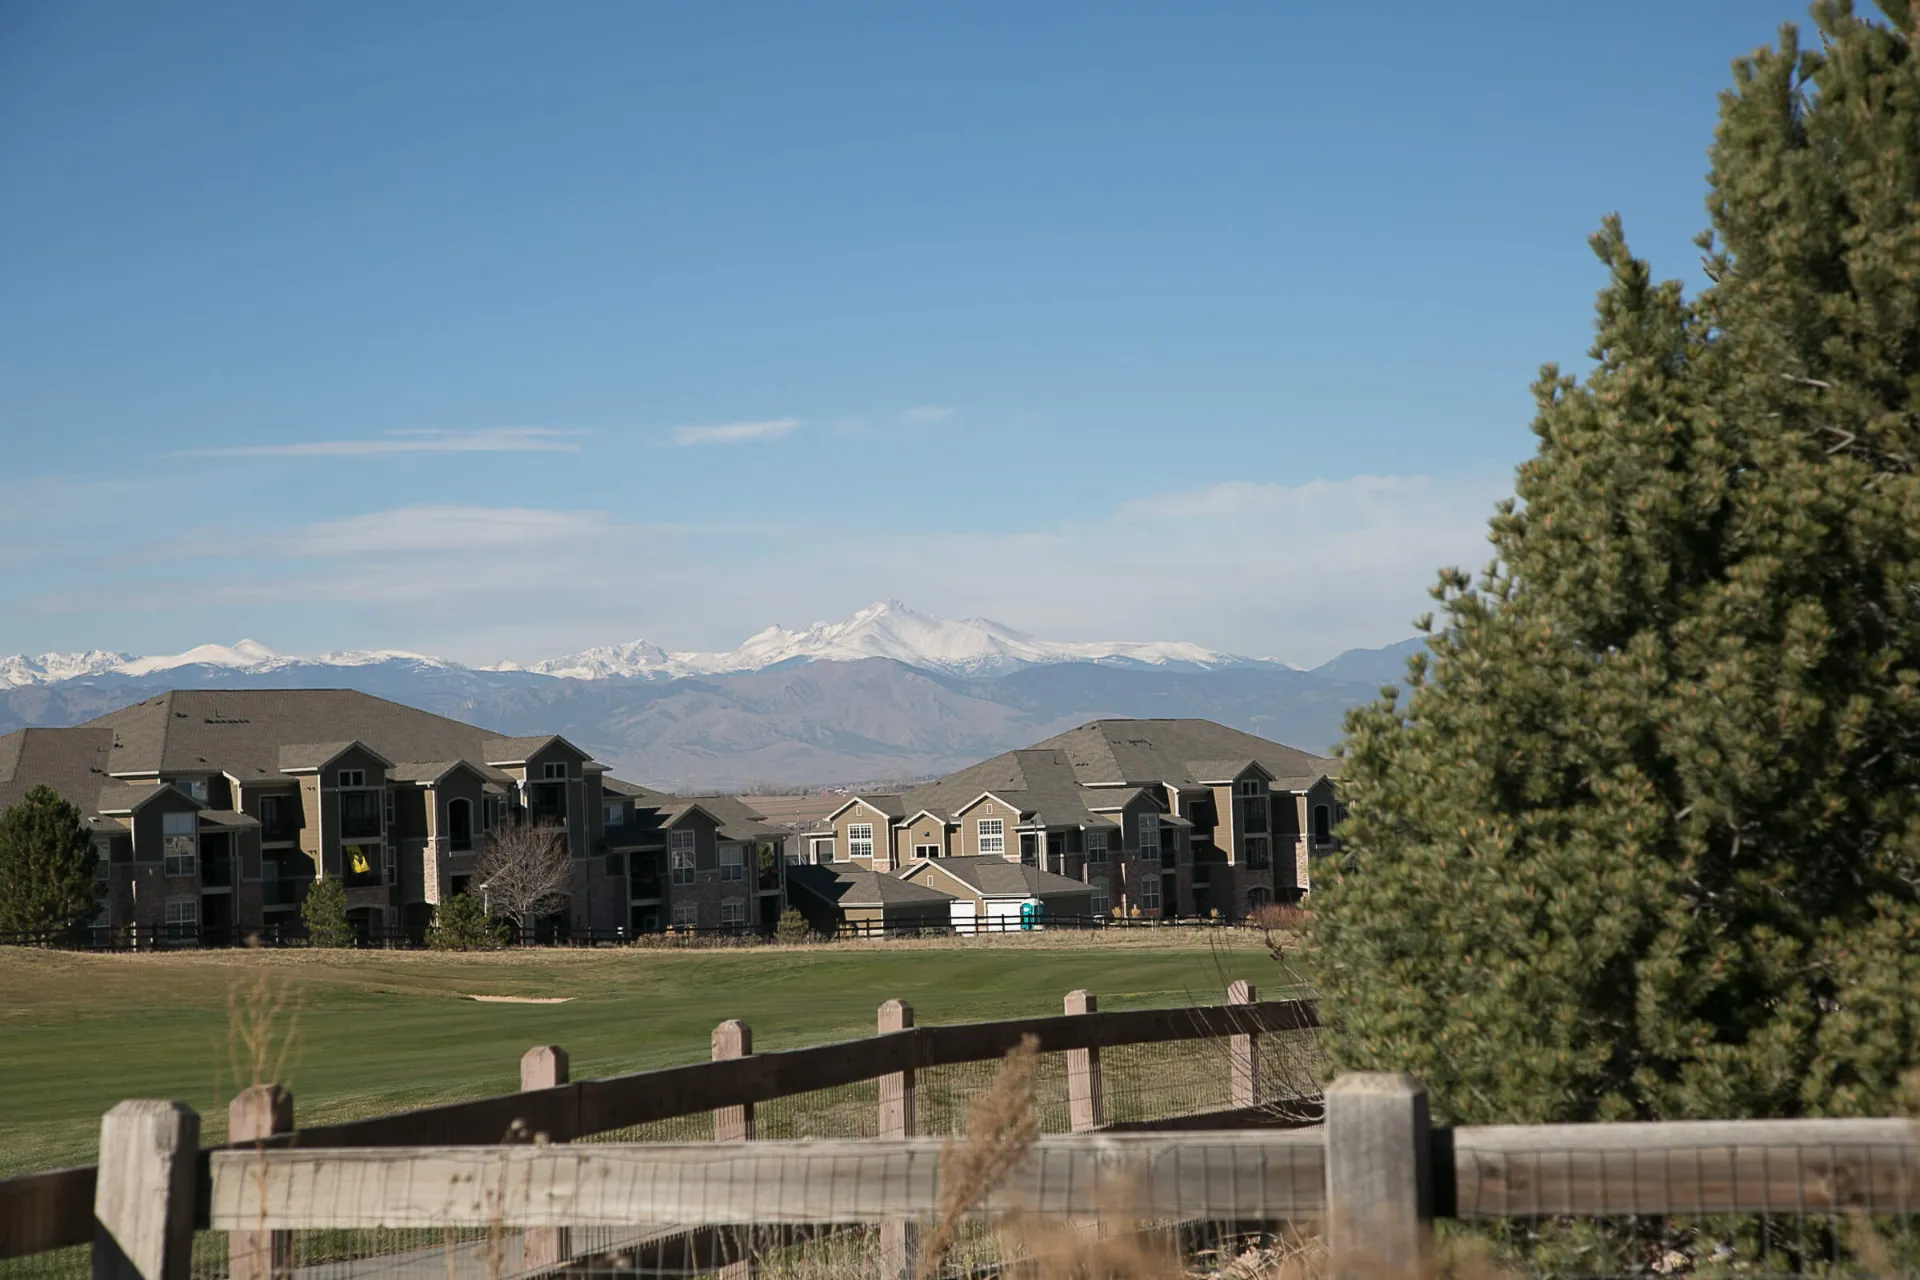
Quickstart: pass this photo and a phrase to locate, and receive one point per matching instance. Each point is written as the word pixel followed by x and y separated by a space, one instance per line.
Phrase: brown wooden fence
pixel 58 1208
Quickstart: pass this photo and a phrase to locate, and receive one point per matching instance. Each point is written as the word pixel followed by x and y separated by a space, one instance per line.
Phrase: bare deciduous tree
pixel 525 872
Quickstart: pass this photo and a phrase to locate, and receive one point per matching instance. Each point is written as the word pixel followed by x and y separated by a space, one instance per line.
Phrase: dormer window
pixel 195 787
pixel 351 778
pixel 1250 786
pixel 554 771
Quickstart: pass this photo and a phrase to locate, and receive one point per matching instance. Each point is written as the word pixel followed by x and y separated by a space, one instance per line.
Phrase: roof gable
pixel 312 757
pixel 886 804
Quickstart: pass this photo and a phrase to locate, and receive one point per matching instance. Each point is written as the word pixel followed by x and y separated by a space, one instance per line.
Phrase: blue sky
pixel 493 330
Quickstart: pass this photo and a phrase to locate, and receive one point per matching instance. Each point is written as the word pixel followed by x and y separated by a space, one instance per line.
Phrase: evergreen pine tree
pixel 47 861
pixel 461 924
pixel 324 910
pixel 793 928
pixel 1642 837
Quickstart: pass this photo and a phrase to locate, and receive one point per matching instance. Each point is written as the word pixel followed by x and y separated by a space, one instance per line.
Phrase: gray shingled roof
pixel 228 818
pixel 1301 783
pixel 242 730
pixel 633 790
pixel 1220 770
pixel 886 802
pixel 519 750
pixel 1113 751
pixel 429 772
pixel 71 761
pixel 848 886
pixel 998 878
pixel 737 821
pixel 125 797
pixel 309 756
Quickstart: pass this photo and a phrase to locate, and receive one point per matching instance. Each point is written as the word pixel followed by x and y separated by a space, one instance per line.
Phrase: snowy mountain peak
pixel 970 647
pixel 888 629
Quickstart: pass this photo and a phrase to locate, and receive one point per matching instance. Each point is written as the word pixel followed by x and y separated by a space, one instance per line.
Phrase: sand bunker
pixel 521 999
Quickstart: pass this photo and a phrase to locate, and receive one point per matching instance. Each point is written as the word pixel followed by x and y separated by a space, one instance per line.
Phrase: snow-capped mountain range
pixel 971 647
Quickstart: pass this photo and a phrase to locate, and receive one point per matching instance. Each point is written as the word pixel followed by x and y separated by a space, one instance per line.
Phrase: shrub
pixel 793 928
pixel 324 911
pixel 461 924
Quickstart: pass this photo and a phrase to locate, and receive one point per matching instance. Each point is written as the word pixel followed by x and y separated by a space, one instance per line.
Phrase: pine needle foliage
pixel 461 923
pixel 1641 836
pixel 47 862
pixel 324 912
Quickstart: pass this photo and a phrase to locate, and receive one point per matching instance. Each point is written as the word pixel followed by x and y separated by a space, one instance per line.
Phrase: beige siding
pixel 924 831
pixel 855 815
pixel 967 841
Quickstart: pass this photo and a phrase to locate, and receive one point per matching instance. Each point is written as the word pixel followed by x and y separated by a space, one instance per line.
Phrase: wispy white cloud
pixel 486 440
pixel 1294 571
pixel 921 414
pixel 736 432
pixel 446 528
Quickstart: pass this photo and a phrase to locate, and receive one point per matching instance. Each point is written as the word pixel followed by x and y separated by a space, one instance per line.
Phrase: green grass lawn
pixel 369 1032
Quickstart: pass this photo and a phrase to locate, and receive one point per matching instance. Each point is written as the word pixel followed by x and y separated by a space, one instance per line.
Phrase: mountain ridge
pixel 971 647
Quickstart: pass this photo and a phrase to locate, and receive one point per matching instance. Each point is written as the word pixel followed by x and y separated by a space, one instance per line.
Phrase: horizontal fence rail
pixel 1688 1167
pixel 55 1209
pixel 1251 1175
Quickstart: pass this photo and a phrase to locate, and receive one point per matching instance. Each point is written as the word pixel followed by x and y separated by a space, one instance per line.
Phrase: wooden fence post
pixel 542 1067
pixel 1084 1104
pixel 1243 1052
pixel 143 1199
pixel 732 1039
pixel 897 1120
pixel 254 1114
pixel 1379 1213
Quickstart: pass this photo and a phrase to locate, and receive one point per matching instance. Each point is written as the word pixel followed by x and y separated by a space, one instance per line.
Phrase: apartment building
pixel 214 810
pixel 1156 817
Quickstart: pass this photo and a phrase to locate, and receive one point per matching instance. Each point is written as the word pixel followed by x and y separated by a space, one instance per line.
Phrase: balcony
pixel 547 804
pixel 284 893
pixel 360 815
pixel 769 868
pixel 360 866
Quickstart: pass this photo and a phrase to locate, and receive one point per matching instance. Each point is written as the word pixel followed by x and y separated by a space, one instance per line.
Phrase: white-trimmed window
pixel 1149 836
pixel 822 849
pixel 195 787
pixel 1258 856
pixel 859 839
pixel 682 850
pixel 183 918
pixel 351 778
pixel 1096 846
pixel 1322 824
pixel 612 813
pixel 992 835
pixel 1101 903
pixel 390 805
pixel 686 915
pixel 554 771
pixel 733 863
pixel 1249 786
pixel 1149 894
pixel 733 912
pixel 178 843
pixel 925 851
